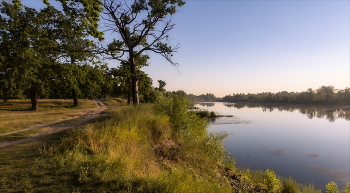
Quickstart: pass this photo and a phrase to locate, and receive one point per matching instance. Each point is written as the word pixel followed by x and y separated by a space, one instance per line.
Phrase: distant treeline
pixel 322 95
pixel 194 98
pixel 202 98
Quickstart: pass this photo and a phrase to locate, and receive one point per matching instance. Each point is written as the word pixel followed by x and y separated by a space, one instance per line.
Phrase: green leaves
pixel 37 45
pixel 88 12
pixel 332 187
pixel 115 46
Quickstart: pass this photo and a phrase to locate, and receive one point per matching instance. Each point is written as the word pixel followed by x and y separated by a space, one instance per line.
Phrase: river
pixel 309 143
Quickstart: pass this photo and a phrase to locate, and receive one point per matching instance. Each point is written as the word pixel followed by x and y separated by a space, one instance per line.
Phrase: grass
pixel 14 114
pixel 19 135
pixel 151 148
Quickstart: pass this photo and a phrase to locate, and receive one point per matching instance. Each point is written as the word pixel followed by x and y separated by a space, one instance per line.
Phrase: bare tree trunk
pixel 75 97
pixel 34 99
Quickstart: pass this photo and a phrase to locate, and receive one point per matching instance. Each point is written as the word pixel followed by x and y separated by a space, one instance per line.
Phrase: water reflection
pixel 286 141
pixel 329 112
pixel 206 104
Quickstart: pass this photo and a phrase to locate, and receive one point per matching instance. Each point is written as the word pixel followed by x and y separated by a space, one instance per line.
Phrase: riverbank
pixel 151 148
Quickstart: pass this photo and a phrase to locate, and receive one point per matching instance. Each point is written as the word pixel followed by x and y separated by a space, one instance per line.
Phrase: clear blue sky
pixel 257 46
pixel 236 46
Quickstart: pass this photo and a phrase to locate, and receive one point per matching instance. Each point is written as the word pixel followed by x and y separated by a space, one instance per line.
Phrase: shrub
pixel 290 186
pixel 332 187
pixel 347 188
pixel 203 113
pixel 273 184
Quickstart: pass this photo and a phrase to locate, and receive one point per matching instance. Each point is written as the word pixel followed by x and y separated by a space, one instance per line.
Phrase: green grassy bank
pixel 151 148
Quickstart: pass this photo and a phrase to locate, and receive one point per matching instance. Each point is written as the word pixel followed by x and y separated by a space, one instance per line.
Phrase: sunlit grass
pixel 15 116
pixel 19 135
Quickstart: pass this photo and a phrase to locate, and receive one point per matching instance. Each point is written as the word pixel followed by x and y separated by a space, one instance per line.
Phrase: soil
pixel 80 118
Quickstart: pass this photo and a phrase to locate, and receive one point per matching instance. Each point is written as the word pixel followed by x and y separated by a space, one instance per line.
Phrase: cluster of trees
pixel 202 98
pixel 322 95
pixel 56 52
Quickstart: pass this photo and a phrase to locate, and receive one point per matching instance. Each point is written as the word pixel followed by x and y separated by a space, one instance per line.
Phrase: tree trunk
pixel 5 98
pixel 34 99
pixel 129 98
pixel 135 90
pixel 134 83
pixel 75 97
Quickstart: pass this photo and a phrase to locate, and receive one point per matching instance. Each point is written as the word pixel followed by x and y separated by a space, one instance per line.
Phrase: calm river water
pixel 309 143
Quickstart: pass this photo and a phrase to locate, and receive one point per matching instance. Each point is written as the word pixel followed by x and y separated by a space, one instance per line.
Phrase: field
pixel 17 122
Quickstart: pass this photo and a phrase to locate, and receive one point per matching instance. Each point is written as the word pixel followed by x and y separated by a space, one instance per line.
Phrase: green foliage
pixel 323 95
pixel 121 80
pixel 36 42
pixel 310 188
pixel 140 26
pixel 273 184
pixel 213 114
pixel 206 114
pixel 347 188
pixel 201 98
pixel 332 187
pixel 137 150
pixel 290 186
pixel 161 86
pixel 87 12
pixel 203 113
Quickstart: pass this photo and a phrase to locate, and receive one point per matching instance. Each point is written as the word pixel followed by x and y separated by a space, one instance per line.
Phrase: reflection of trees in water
pixel 212 119
pixel 207 104
pixel 330 113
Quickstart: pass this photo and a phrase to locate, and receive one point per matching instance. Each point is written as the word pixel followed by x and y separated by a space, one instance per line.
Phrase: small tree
pixel 162 84
pixel 141 26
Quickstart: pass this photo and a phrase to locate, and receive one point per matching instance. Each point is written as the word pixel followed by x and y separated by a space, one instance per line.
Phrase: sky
pixel 236 46
pixel 253 46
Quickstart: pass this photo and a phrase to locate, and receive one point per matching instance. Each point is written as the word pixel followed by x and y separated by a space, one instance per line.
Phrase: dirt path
pixel 83 117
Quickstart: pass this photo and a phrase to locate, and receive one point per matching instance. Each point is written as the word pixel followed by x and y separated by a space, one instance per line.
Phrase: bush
pixel 347 188
pixel 273 184
pixel 332 187
pixel 203 113
pixel 290 186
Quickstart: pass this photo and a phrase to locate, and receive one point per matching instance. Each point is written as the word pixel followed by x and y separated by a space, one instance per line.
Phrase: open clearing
pixel 37 131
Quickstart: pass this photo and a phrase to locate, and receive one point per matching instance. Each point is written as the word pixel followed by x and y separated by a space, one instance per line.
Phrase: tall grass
pixel 150 148
pixel 161 148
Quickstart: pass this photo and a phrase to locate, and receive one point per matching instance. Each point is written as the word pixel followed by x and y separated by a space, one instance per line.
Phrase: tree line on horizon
pixel 322 95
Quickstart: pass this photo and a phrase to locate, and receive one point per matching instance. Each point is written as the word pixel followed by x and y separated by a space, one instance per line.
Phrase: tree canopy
pixel 34 42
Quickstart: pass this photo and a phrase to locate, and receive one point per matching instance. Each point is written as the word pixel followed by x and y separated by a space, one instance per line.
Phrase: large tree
pixel 122 79
pixel 27 48
pixel 141 26
pixel 33 42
